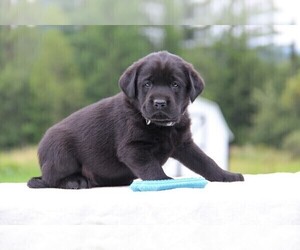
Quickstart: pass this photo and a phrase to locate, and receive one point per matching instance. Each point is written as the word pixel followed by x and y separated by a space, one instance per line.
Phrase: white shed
pixel 210 132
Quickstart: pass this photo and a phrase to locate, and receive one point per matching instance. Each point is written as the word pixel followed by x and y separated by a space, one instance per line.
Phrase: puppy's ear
pixel 127 81
pixel 196 82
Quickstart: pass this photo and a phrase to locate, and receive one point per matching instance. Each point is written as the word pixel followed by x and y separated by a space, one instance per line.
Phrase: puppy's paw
pixel 75 182
pixel 226 176
pixel 37 182
pixel 230 177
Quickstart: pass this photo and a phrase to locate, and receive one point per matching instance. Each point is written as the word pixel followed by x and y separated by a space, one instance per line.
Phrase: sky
pixel 288 14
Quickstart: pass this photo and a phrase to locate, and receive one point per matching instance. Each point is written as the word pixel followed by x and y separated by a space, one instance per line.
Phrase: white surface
pixel 263 211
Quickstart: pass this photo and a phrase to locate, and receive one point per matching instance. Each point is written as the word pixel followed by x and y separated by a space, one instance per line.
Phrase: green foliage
pixel 55 83
pixel 12 109
pixel 291 94
pixel 172 38
pixel 33 13
pixel 48 72
pixel 268 128
pixel 278 112
pixel 107 12
pixel 292 143
pixel 102 53
pixel 14 85
pixel 139 12
pixel 232 71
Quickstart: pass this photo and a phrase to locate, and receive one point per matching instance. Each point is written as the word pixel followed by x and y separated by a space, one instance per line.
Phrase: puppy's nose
pixel 159 103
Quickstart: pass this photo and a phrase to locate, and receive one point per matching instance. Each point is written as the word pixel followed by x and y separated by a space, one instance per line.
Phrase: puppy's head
pixel 161 85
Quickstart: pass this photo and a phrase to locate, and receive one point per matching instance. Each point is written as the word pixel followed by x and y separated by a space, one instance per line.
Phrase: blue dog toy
pixel 158 185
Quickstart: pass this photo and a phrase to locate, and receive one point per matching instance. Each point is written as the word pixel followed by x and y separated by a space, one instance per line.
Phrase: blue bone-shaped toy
pixel 158 185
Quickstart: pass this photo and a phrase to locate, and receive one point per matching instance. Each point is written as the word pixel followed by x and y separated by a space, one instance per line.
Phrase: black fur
pixel 109 143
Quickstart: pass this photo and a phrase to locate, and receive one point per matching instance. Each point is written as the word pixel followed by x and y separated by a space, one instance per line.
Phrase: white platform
pixel 261 213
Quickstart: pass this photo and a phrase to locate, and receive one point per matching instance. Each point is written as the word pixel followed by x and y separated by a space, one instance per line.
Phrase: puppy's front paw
pixel 230 177
pixel 225 176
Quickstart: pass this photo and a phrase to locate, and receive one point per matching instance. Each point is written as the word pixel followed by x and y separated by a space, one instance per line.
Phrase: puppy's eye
pixel 147 84
pixel 175 85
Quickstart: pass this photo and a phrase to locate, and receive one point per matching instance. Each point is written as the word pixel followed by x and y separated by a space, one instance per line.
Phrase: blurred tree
pixel 132 12
pixel 40 66
pixel 23 12
pixel 292 143
pixel 291 95
pixel 102 53
pixel 236 16
pixel 172 39
pixel 18 50
pixel 104 12
pixel 278 115
pixel 42 71
pixel 270 121
pixel 232 71
pixel 55 83
pixel 14 103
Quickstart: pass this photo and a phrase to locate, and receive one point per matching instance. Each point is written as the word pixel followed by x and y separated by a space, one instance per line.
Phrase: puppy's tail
pixel 37 182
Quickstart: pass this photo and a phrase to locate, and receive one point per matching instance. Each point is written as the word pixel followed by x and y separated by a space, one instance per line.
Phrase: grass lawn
pixel 19 165
pixel 258 159
pixel 22 164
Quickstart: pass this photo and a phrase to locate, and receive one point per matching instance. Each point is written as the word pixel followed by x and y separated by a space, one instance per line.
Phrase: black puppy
pixel 130 135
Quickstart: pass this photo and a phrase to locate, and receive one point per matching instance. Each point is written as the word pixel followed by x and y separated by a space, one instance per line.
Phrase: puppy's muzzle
pixel 159 104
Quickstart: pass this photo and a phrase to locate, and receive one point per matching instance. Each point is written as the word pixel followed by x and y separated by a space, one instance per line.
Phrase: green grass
pixel 260 160
pixel 20 165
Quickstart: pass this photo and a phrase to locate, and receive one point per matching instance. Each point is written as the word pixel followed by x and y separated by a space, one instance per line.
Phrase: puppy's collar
pixel 164 124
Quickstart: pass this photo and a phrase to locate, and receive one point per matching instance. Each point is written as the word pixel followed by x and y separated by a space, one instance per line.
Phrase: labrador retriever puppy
pixel 130 135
